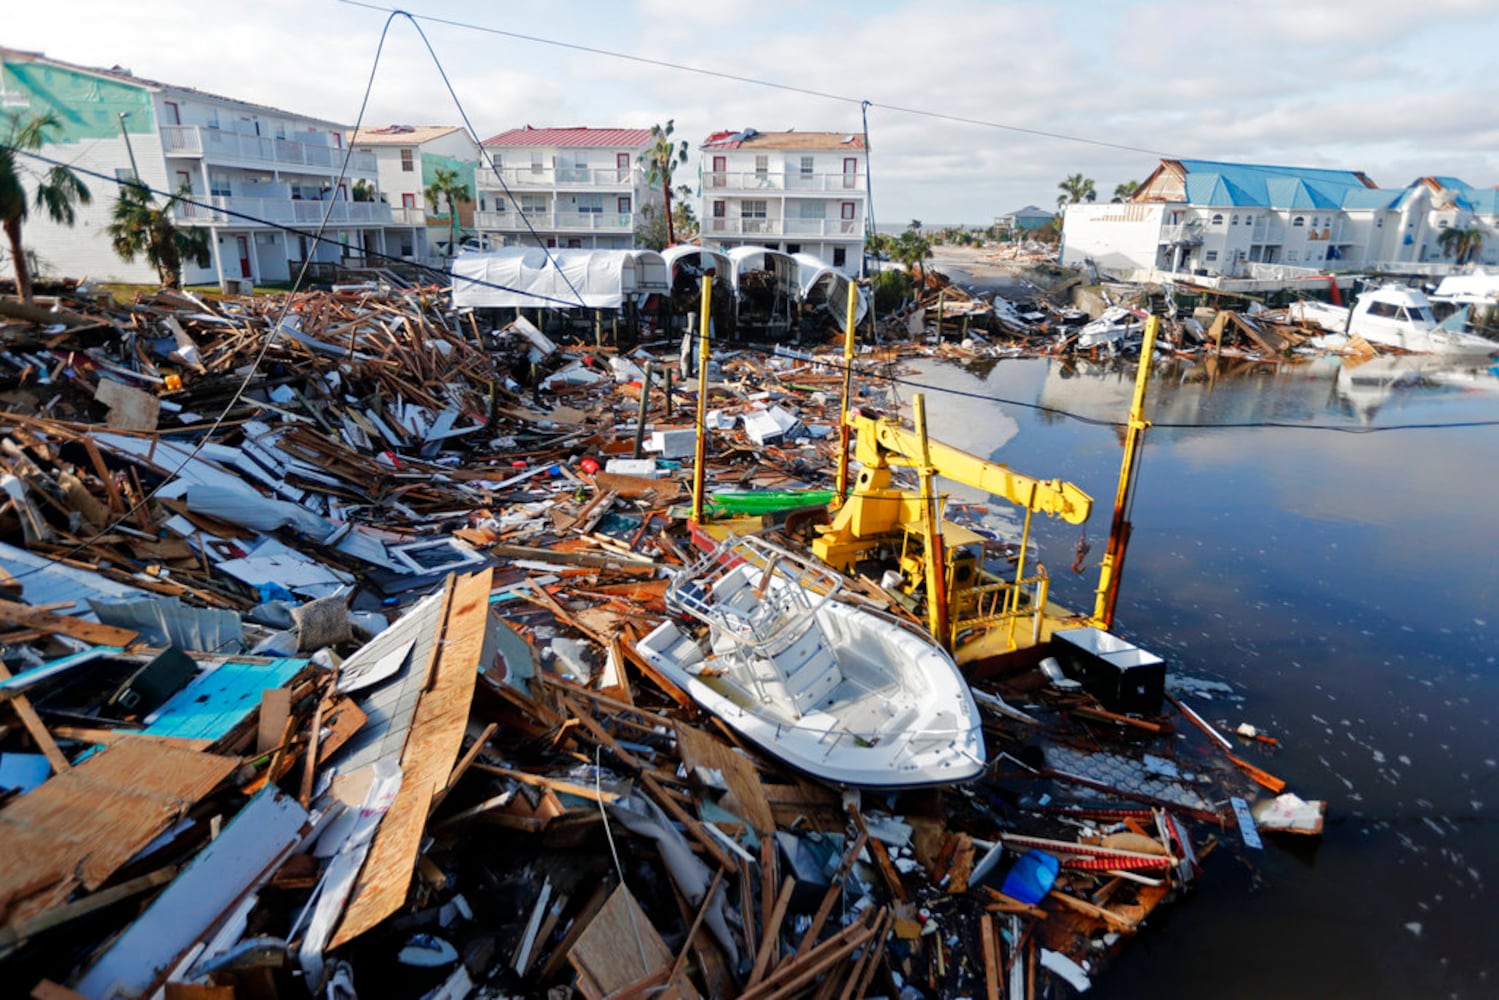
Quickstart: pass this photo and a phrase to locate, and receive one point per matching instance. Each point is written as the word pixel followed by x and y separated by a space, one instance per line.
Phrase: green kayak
pixel 765 501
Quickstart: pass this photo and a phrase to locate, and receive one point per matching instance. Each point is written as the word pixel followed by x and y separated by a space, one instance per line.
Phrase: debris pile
pixel 320 678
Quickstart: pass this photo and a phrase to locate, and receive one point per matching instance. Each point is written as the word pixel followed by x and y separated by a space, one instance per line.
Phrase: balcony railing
pixel 249 211
pixel 722 180
pixel 404 215
pixel 612 178
pixel 219 144
pixel 824 227
pixel 593 222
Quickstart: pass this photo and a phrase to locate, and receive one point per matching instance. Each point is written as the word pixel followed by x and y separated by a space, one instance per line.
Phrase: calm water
pixel 1343 585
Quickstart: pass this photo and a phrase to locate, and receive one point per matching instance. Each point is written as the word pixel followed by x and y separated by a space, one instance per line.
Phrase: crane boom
pixel 1052 497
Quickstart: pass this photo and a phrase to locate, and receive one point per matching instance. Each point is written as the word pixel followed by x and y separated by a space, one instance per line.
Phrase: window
pixel 720 209
pixel 1235 221
pixel 1291 256
pixel 408 200
pixel 752 209
pixel 1211 256
pixel 1442 224
pixel 184 182
pixel 848 210
pixel 806 166
pixel 407 250
pixel 173 113
pixel 840 256
pixel 1384 310
pixel 1378 223
pixel 1218 218
pixel 1300 220
pixel 793 248
pixel 124 174
pixel 218 185
pixel 762 166
pixel 408 160
pixel 533 204
pixel 623 208
pixel 575 244
pixel 537 163
pixel 591 204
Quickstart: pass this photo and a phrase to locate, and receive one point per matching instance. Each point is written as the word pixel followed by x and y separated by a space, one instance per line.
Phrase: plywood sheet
pixel 698 749
pixel 619 947
pixel 81 825
pixel 436 738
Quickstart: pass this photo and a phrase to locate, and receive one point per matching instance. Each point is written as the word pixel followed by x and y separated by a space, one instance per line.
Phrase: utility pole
pixel 135 173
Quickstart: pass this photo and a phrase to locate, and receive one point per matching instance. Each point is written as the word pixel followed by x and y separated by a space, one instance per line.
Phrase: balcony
pixel 215 211
pixel 220 145
pixel 557 222
pixel 847 228
pixel 720 180
pixel 405 215
pixel 608 178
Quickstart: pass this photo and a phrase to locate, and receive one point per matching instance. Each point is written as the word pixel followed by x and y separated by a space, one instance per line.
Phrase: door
pixel 720 168
pixel 622 166
pixel 850 172
pixel 242 243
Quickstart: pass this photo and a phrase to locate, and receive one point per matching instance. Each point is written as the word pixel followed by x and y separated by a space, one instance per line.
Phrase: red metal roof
pixel 572 137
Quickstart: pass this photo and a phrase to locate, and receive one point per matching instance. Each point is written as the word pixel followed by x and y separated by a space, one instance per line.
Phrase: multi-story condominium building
pixel 798 192
pixel 259 179
pixel 408 158
pixel 563 187
pixel 1229 219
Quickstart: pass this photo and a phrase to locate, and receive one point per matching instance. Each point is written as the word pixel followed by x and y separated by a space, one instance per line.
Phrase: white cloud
pixel 1373 86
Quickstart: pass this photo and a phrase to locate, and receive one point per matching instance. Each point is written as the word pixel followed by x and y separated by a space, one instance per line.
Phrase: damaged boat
pixel 834 690
pixel 1395 316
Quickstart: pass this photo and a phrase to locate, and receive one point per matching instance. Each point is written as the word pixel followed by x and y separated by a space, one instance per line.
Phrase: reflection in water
pixel 1343 585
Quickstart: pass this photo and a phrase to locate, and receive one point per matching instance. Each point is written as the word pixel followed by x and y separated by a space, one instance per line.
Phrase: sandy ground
pixel 976 270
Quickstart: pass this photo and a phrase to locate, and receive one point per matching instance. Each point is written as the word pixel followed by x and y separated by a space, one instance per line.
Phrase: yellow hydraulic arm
pixel 874 508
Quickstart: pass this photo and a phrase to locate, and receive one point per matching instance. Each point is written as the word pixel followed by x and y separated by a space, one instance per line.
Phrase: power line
pixel 754 81
pixel 264 347
pixel 316 235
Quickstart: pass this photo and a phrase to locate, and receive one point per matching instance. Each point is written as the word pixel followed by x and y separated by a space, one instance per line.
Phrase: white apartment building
pixel 407 158
pixel 259 178
pixel 1242 220
pixel 797 192
pixel 563 187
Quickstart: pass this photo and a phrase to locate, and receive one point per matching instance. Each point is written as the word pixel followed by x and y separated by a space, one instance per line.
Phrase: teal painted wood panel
pixel 217 701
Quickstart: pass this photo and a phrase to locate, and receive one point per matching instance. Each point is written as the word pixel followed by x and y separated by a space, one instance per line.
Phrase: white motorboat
pixel 838 691
pixel 1395 316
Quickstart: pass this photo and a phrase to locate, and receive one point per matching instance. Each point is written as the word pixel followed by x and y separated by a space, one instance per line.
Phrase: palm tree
pixel 1464 244
pixel 139 228
pixel 660 162
pixel 446 185
pixel 58 189
pixel 912 249
pixel 1075 189
pixel 1125 191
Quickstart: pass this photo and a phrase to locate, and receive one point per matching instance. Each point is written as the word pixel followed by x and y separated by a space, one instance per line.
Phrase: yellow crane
pixel 976 614
pixel 880 527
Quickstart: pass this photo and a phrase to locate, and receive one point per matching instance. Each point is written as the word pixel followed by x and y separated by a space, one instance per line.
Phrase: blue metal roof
pixel 1372 198
pixel 1244 184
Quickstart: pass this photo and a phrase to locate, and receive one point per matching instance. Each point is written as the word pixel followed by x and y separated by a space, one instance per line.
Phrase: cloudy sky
pixel 959 90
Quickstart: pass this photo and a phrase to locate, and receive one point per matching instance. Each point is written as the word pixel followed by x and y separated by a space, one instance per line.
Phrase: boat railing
pixel 1000 602
pixel 788 594
pixel 907 738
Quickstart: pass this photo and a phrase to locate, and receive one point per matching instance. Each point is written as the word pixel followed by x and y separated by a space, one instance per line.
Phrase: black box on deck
pixel 1120 674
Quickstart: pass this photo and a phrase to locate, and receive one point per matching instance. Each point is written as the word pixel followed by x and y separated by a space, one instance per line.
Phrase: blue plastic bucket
pixel 1032 877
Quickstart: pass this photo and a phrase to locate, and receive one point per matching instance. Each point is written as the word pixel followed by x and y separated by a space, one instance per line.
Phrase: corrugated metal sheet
pixel 572 137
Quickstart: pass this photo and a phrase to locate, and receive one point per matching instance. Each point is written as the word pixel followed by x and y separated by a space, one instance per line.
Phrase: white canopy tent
pixel 532 278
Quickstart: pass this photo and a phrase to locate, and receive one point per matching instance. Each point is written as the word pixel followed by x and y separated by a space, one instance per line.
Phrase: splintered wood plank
pixel 76 628
pixel 698 749
pixel 38 730
pixel 79 827
pixel 620 947
pixel 427 761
